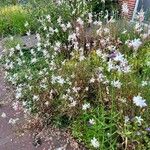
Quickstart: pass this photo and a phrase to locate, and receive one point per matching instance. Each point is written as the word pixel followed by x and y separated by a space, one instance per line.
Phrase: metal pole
pixel 135 10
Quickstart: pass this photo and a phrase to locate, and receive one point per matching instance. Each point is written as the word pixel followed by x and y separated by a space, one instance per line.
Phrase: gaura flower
pixel 139 119
pixel 139 101
pixel 3 115
pixel 125 9
pixel 126 119
pixel 92 121
pixel 136 43
pixel 116 84
pixel 95 143
pixel 85 106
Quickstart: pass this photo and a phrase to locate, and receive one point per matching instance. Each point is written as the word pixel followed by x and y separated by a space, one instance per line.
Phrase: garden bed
pixel 87 73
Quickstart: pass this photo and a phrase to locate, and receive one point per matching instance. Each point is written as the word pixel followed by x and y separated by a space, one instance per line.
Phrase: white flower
pixel 57 46
pixel 3 115
pixel 85 106
pixel 34 60
pixel 11 52
pixel 36 97
pixel 110 65
pixel 13 121
pixel 92 80
pixel 139 101
pixel 56 30
pixel 72 37
pixel 59 20
pixel 87 88
pixel 144 83
pixel 48 17
pixel 119 57
pixel 136 43
pixel 81 58
pixel 18 47
pixel 92 121
pixel 38 37
pixel 126 119
pixel 63 26
pixel 141 15
pixel 139 119
pixel 124 32
pixel 76 89
pixel 116 84
pixel 73 104
pixel 99 53
pixel 90 20
pixel 125 9
pixel 28 33
pixel 138 27
pixel 80 21
pixel 59 1
pixel 47 103
pixel 15 105
pixel 11 38
pixel 68 25
pixel 60 80
pixel 26 24
pixel 95 143
pixel 18 95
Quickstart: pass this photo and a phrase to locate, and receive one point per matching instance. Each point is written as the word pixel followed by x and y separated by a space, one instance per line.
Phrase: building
pixel 136 5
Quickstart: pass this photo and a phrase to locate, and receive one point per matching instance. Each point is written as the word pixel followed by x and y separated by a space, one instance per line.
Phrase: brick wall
pixel 131 6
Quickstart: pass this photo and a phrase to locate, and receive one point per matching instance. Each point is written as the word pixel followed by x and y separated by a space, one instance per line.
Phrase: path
pixel 11 139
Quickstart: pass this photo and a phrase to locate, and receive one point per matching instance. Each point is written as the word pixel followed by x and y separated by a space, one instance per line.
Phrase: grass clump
pixel 12 42
pixel 13 19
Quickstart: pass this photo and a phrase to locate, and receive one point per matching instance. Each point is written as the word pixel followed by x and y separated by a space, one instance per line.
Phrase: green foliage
pixel 103 128
pixel 101 7
pixel 5 2
pixel 12 20
pixel 144 57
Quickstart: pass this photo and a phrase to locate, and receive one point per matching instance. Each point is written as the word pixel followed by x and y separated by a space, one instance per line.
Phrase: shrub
pixel 12 20
pixel 110 6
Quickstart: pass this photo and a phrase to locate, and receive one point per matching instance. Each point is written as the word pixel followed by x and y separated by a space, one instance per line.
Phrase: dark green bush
pixel 98 6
